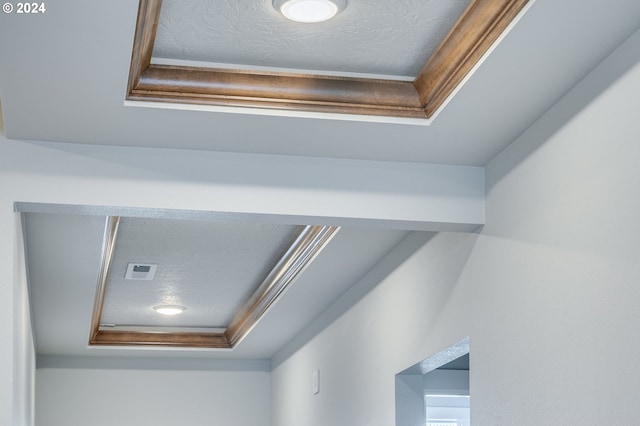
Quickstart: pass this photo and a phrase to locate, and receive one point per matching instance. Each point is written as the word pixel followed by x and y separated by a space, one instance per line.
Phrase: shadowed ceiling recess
pixel 307 244
pixel 473 34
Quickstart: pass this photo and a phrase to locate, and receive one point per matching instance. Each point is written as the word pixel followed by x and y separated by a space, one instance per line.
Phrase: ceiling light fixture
pixel 309 11
pixel 169 309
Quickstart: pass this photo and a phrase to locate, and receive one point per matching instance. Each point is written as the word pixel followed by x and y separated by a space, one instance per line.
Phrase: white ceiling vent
pixel 140 271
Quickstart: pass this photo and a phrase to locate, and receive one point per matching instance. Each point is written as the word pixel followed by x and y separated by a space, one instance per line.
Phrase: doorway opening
pixel 435 391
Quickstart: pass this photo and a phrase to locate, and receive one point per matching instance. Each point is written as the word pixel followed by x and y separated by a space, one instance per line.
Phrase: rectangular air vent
pixel 140 271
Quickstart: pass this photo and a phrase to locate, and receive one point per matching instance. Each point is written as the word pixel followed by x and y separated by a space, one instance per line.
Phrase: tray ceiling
pixel 460 48
pixel 202 264
pixel 255 264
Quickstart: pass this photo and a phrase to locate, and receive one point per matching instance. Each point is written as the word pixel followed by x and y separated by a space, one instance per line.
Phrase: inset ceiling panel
pixel 392 38
pixel 209 267
pixel 208 282
pixel 369 39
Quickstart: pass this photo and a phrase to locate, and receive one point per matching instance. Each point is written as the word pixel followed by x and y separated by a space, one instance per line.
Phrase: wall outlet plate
pixel 316 382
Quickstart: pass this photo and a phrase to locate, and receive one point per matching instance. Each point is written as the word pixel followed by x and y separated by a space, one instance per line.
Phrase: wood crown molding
pixel 470 38
pixel 308 244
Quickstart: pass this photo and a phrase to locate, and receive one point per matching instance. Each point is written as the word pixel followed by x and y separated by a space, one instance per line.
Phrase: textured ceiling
pixel 375 37
pixel 209 267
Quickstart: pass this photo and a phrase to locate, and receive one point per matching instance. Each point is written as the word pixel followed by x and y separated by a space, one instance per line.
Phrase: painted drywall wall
pixel 410 410
pixel 17 354
pixel 559 262
pixel 107 397
pixel 415 311
pixel 24 361
pixel 547 292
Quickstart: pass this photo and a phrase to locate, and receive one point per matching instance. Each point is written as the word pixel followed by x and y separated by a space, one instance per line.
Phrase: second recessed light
pixel 309 11
pixel 169 309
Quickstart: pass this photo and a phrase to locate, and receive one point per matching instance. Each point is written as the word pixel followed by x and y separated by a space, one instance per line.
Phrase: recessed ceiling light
pixel 169 309
pixel 309 11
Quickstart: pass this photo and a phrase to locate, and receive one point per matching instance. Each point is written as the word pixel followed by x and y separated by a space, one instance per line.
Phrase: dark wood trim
pixel 306 247
pixel 179 339
pixel 278 91
pixel 470 38
pixel 108 245
pixel 310 241
pixel 146 28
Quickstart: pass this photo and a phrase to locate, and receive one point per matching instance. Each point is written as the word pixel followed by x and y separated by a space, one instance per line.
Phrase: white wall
pixel 559 263
pixel 105 397
pixel 410 407
pixel 414 312
pixel 24 357
pixel 548 291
